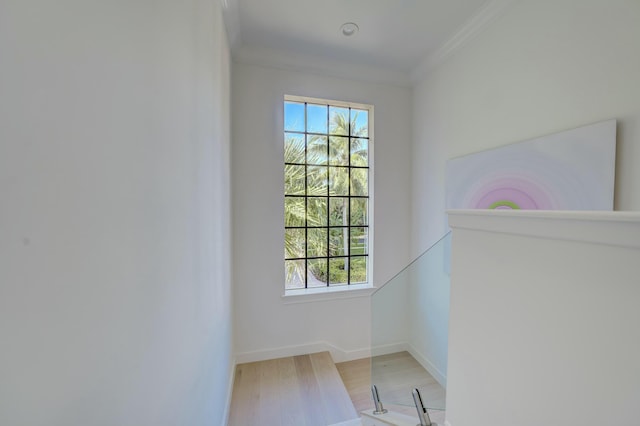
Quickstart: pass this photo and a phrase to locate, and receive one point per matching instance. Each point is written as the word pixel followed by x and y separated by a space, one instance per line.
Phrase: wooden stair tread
pixel 304 390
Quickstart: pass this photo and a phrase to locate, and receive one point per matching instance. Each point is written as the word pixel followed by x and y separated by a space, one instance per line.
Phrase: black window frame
pixel 349 226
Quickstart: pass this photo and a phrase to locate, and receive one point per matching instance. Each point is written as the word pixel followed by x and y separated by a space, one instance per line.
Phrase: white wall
pixel 114 244
pixel 266 326
pixel 544 318
pixel 542 67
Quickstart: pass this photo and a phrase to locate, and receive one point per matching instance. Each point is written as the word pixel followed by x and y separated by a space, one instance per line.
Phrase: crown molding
pixel 286 60
pixel 476 24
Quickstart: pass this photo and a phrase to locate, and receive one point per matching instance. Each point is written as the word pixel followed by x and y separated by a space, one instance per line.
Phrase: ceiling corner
pixel 467 32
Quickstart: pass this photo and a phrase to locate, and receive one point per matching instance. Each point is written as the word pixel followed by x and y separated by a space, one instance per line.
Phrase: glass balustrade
pixel 410 332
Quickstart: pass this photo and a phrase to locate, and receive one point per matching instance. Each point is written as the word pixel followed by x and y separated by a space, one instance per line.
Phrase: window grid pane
pixel 326 195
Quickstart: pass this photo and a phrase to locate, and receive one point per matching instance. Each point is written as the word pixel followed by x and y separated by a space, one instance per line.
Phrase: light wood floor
pixel 395 375
pixel 303 390
pixel 310 390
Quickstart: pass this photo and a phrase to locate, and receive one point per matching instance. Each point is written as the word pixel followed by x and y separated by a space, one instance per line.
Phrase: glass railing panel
pixel 410 331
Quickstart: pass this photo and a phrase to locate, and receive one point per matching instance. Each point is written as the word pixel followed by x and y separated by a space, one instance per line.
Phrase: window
pixel 327 182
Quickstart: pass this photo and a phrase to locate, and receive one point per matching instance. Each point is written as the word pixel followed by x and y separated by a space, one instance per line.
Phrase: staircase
pixel 311 390
pixel 296 391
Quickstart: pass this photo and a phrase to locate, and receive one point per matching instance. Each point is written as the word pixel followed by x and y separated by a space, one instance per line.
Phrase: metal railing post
pixel 423 416
pixel 376 400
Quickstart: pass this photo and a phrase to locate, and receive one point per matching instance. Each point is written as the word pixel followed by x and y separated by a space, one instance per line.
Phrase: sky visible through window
pixel 317 117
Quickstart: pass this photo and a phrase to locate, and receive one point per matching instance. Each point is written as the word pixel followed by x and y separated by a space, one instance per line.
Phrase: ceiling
pixel 396 38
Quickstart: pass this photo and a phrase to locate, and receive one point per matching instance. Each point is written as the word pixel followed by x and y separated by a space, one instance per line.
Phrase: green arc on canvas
pixel 504 203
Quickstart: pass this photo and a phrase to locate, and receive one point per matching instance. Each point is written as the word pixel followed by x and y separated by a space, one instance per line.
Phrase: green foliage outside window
pixel 326 184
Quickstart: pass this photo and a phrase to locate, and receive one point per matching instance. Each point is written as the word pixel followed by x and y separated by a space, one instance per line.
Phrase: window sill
pixel 306 295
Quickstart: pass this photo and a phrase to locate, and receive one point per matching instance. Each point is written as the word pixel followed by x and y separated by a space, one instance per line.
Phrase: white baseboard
pixel 232 377
pixel 389 348
pixel 428 365
pixel 338 354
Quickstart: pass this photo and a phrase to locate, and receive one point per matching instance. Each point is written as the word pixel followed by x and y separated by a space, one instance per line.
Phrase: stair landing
pixel 303 390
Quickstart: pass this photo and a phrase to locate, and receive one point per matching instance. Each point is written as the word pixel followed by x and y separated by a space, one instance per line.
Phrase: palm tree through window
pixel 327 173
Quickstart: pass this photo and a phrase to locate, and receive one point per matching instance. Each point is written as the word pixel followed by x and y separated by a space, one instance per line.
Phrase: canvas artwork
pixel 570 170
